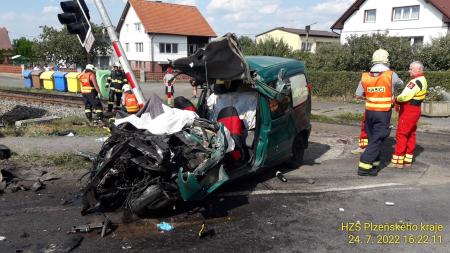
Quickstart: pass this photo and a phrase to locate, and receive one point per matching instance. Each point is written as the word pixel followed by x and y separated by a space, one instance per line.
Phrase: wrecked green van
pixel 283 107
pixel 270 102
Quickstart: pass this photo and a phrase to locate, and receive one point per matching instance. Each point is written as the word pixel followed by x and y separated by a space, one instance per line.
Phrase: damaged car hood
pixel 221 59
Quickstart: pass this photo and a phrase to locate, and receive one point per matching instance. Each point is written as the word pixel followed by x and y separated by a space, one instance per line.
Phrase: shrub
pixel 344 83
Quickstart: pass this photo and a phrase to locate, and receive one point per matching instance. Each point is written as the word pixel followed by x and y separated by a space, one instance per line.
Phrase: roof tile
pixel 5 42
pixel 167 18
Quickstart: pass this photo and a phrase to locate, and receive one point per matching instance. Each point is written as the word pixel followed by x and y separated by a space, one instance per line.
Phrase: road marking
pixel 320 190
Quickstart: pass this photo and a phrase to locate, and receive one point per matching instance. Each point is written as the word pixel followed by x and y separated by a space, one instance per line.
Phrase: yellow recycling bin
pixel 73 82
pixel 47 79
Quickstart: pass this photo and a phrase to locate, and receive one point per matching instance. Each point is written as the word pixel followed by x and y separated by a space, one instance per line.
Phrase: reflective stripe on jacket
pixel 85 80
pixel 131 103
pixel 378 91
pixel 416 90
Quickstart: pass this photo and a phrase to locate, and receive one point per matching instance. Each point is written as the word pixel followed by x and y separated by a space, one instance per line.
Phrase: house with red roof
pixel 418 20
pixel 153 32
pixel 5 45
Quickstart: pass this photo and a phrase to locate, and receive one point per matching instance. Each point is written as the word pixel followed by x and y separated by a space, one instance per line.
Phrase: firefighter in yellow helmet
pixel 377 88
pixel 90 92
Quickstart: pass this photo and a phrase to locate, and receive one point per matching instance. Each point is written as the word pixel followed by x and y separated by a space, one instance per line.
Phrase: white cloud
pixel 187 2
pixel 332 7
pixel 242 5
pixel 51 9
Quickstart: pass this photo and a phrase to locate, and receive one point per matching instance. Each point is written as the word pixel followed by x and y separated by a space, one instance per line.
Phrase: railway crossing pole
pixel 120 53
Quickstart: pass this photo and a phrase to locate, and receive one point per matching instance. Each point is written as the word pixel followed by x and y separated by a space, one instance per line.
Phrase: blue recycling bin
pixel 27 79
pixel 60 81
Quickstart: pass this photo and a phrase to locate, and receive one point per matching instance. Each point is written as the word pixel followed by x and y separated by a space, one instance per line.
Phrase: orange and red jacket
pixel 86 85
pixel 131 103
pixel 378 91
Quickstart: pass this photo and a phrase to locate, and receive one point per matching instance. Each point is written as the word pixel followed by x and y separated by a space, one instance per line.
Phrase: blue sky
pixel 243 17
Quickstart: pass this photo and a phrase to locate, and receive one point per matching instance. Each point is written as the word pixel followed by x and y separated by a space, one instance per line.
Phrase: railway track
pixel 44 98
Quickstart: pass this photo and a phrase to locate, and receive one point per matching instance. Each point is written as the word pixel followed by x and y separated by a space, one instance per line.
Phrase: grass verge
pixel 75 124
pixel 66 161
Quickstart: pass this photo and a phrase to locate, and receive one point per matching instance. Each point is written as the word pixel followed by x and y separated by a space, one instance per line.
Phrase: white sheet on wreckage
pixel 171 121
pixel 244 102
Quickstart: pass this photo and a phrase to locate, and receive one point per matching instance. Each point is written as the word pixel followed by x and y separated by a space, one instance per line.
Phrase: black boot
pixel 89 116
pixel 372 172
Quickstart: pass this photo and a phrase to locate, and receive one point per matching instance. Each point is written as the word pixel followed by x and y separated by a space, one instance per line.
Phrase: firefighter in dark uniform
pixel 90 91
pixel 115 83
pixel 376 87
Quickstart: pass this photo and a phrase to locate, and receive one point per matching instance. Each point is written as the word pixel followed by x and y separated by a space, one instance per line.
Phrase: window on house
pixel 137 26
pixel 306 47
pixel 417 41
pixel 168 48
pixel 370 16
pixel 139 47
pixel 405 13
pixel 127 47
pixel 128 27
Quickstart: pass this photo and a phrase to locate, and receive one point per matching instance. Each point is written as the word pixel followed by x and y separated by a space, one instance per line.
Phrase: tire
pixel 151 201
pixel 298 151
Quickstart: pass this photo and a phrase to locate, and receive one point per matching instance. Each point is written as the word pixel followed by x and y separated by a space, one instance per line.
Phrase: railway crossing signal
pixel 76 17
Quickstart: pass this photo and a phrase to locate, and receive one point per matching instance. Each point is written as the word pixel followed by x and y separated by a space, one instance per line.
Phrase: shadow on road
pixel 388 149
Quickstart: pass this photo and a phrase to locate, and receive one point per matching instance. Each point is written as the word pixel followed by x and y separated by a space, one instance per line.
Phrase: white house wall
pixel 180 40
pixel 128 34
pixel 429 25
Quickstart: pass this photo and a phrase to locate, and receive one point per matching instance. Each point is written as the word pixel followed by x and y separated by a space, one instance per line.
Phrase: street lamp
pixel 308 28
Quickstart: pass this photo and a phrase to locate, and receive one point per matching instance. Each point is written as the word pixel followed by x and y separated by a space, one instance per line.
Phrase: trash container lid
pixel 72 75
pixel 59 74
pixel 26 73
pixel 36 72
pixel 47 74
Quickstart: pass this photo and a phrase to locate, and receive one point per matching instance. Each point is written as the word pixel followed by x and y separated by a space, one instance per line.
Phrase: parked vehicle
pixel 270 94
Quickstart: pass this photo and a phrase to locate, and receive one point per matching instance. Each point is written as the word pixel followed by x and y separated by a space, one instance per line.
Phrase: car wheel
pixel 298 151
pixel 151 201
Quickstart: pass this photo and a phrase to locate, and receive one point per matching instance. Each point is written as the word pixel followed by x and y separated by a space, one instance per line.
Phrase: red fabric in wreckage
pixel 230 118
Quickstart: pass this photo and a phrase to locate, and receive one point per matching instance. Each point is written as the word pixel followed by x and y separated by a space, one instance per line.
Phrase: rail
pixel 45 98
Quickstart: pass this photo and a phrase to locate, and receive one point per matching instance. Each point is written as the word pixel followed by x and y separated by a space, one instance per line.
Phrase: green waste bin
pixel 102 76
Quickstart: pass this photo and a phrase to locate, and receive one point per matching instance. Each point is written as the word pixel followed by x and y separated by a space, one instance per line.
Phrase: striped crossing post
pixel 120 53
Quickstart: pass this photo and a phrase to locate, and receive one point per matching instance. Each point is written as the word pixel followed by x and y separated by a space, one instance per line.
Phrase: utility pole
pixel 120 53
pixel 308 28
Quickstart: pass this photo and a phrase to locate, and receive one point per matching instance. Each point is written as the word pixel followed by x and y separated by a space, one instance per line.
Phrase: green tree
pixel 436 56
pixel 23 47
pixel 58 45
pixel 272 47
pixel 247 45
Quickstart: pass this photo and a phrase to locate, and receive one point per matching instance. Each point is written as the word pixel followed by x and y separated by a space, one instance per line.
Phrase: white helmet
pixel 126 88
pixel 90 67
pixel 116 64
pixel 380 56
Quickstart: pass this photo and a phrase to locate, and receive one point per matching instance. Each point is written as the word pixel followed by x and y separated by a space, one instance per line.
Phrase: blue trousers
pixel 377 128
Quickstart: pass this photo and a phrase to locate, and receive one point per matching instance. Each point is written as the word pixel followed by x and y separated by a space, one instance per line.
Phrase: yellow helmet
pixel 380 56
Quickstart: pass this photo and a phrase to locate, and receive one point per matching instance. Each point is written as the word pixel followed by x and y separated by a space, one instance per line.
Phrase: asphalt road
pixel 262 214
